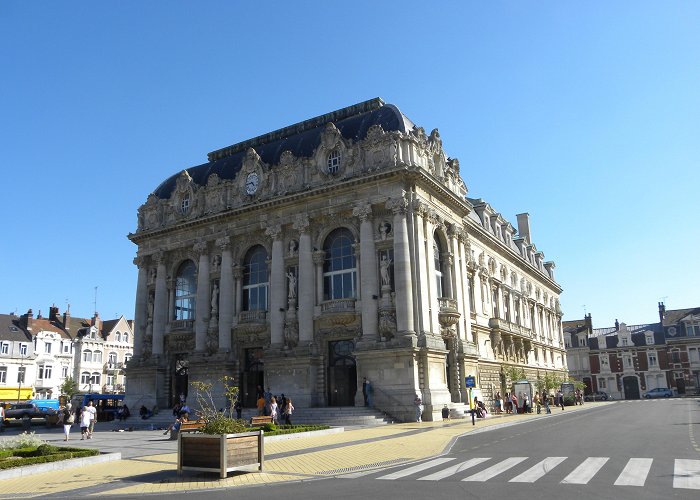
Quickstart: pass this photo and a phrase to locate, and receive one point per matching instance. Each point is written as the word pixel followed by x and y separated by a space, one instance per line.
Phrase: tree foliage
pixel 69 388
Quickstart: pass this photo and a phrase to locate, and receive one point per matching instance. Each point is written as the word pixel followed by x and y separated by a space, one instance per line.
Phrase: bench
pixel 259 421
pixel 192 426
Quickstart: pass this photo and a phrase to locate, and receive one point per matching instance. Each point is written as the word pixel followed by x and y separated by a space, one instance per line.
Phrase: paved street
pixel 624 449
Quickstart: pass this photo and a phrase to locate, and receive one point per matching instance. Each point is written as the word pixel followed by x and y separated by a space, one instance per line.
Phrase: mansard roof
pixel 673 316
pixel 300 139
pixel 11 330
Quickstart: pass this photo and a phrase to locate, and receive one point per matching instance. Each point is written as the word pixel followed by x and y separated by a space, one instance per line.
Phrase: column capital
pixel 140 261
pixel 319 256
pixel 273 229
pixel 397 205
pixel 362 212
pixel 158 257
pixel 200 248
pixel 224 243
pixel 301 223
pixel 421 208
pixel 238 271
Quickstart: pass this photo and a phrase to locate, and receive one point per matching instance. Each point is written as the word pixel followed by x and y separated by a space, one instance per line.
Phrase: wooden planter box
pixel 220 453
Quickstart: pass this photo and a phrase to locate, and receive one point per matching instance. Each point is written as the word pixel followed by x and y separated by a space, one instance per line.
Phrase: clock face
pixel 251 183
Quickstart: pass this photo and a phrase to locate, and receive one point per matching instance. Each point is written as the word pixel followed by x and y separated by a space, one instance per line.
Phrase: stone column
pixel 305 293
pixel 368 273
pixel 422 267
pixel 318 257
pixel 402 268
pixel 433 293
pixel 458 273
pixel 160 306
pixel 277 286
pixel 238 292
pixel 141 308
pixel 202 306
pixel 225 294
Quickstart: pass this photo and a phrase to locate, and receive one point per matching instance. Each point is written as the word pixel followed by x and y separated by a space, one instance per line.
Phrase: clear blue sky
pixel 586 115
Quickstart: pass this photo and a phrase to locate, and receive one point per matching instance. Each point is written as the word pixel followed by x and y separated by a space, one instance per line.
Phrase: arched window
pixel 334 161
pixel 112 360
pixel 84 378
pixel 339 267
pixel 127 357
pixel 119 337
pixel 125 337
pixel 255 282
pixel 95 378
pixel 97 357
pixel 87 356
pixel 438 263
pixel 185 291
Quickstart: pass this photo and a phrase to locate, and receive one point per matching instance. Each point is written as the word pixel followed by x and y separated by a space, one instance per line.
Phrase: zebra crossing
pixel 565 470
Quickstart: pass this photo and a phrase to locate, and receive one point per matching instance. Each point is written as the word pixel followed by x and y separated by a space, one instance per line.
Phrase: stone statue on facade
pixel 384 270
pixel 292 294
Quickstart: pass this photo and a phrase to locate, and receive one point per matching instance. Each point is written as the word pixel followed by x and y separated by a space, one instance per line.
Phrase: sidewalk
pixel 290 460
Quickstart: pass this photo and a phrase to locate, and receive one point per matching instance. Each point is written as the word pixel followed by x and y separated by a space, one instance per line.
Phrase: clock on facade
pixel 252 181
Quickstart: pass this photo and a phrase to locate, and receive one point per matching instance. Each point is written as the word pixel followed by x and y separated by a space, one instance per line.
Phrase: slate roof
pixel 673 316
pixel 10 329
pixel 301 139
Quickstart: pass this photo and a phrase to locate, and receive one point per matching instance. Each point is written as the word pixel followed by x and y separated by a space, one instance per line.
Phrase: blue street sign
pixel 470 381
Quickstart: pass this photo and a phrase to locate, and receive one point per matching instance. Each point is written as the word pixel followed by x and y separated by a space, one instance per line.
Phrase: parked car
pixel 598 396
pixel 19 410
pixel 659 392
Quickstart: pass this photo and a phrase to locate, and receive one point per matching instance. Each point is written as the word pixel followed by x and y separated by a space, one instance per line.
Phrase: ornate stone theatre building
pixel 338 248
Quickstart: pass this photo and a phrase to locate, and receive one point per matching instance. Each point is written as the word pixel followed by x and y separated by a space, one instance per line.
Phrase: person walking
pixel 273 410
pixel 418 403
pixel 545 400
pixel 93 418
pixel 560 399
pixel 497 402
pixel 288 410
pixel 538 403
pixel 514 400
pixel 84 423
pixel 68 420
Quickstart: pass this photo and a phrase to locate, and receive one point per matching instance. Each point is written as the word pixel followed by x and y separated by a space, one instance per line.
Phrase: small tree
pixel 69 388
pixel 514 373
pixel 215 421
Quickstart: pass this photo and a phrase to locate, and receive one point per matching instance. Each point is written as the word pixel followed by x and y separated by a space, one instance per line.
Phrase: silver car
pixel 659 392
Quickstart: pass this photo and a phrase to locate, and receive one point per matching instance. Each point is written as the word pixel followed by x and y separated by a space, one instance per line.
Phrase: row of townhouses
pixel 628 360
pixel 37 355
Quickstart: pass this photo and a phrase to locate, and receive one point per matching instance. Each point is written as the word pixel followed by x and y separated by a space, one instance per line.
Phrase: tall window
pixel 44 372
pixel 255 280
pixel 97 357
pixel 4 348
pixel 23 349
pixel 472 306
pixel 47 347
pixel 95 378
pixel 438 263
pixel 112 358
pixel 87 356
pixel 692 329
pixel 125 337
pixel 185 291
pixel 3 374
pixel 64 372
pixel 339 267
pixel 652 360
pixel 85 378
pixel 21 372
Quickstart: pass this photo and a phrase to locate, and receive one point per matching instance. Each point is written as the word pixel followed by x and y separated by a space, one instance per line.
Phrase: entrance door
pixel 180 378
pixel 680 385
pixel 631 387
pixel 342 373
pixel 253 377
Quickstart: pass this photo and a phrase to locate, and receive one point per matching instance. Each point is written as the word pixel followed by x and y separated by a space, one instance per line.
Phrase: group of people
pixel 514 403
pixel 86 417
pixel 274 406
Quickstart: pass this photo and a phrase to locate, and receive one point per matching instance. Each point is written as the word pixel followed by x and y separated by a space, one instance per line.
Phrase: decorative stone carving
pixel 301 223
pixel 397 205
pixel 291 334
pixel 211 346
pixel 293 248
pixel 362 212
pixel 223 243
pixel 387 323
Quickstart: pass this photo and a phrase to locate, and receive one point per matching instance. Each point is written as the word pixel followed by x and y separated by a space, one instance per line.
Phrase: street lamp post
pixel 20 375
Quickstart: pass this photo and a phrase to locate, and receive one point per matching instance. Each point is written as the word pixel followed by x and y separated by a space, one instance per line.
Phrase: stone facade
pixel 339 248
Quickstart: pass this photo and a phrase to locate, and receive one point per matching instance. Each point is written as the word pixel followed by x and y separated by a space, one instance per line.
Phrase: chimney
pixel 53 314
pixel 97 322
pixel 662 312
pixel 589 322
pixel 27 320
pixel 524 226
pixel 66 319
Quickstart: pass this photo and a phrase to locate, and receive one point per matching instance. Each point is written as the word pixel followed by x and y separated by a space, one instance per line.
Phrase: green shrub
pixel 221 424
pixel 28 440
pixel 269 427
pixel 60 454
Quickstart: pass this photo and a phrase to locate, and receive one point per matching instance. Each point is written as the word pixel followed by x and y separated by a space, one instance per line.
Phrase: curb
pixel 29 470
pixel 297 435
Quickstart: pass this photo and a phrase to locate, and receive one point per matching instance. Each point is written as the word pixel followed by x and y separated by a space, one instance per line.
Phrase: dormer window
pixel 334 162
pixel 185 204
pixel 649 338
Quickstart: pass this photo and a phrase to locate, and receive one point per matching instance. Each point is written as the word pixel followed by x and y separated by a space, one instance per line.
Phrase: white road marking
pixel 451 471
pixel 584 472
pixel 538 470
pixel 495 470
pixel 416 468
pixel 686 474
pixel 635 472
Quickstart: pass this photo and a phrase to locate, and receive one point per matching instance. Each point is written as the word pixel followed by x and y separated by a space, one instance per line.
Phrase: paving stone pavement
pixel 149 459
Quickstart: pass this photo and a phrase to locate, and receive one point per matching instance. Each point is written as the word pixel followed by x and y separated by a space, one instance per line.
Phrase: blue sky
pixel 586 115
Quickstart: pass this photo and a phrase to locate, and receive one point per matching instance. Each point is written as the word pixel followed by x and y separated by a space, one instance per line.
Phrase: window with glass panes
pixel 255 280
pixel 437 265
pixel 3 374
pixel 185 291
pixel 339 266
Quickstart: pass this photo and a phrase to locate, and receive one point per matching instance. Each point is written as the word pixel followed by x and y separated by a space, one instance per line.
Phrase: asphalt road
pixel 625 450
